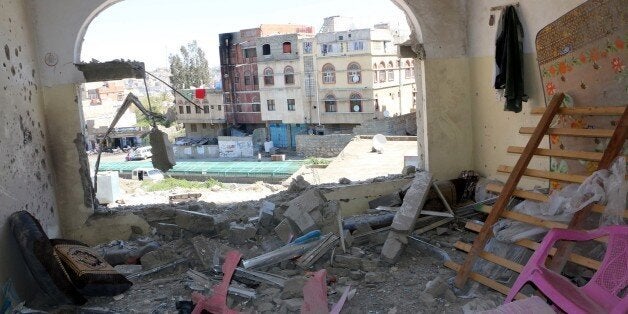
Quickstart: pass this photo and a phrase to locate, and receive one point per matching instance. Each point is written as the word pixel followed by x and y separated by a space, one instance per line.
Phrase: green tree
pixel 189 67
pixel 160 104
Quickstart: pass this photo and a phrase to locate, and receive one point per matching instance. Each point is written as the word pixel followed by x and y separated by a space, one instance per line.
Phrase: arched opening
pixel 288 74
pixel 354 73
pixel 269 77
pixel 329 74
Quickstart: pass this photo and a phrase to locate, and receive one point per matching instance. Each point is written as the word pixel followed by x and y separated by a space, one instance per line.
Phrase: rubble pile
pixel 284 240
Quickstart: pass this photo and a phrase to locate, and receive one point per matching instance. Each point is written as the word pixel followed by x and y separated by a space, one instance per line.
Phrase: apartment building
pixel 239 72
pixel 204 116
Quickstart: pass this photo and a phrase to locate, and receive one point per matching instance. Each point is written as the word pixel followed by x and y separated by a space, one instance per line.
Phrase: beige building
pixel 205 117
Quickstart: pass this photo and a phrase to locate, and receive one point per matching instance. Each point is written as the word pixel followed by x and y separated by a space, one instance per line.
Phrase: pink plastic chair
pixel 600 294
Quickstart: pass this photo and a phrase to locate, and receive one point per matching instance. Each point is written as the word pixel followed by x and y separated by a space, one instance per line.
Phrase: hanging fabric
pixel 509 60
pixel 200 93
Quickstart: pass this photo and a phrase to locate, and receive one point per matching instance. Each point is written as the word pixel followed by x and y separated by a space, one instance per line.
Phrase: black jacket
pixel 509 60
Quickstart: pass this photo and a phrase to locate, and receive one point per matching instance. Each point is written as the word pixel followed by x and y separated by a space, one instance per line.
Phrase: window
pixel 120 96
pixel 206 109
pixel 181 109
pixel 382 72
pixel 212 107
pixel 355 102
pixel 270 104
pixel 188 109
pixel 197 109
pixel 256 107
pixel 247 78
pixel 237 78
pixel 266 49
pixel 330 103
pixel 193 127
pixel 358 45
pixel 375 73
pixel 329 74
pixel 219 107
pixel 391 73
pixel 269 78
pixel 408 70
pixel 239 108
pixel 307 47
pixel 255 81
pixel 250 53
pixel 354 74
pixel 288 75
pixel 204 125
pixel 287 47
pixel 291 105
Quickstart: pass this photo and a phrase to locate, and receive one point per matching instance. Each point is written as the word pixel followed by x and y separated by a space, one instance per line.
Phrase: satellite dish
pixel 386 114
pixel 378 142
pixel 355 78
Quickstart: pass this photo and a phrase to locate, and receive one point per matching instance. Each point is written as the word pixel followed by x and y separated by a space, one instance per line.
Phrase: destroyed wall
pixel 399 125
pixel 493 128
pixel 26 181
pixel 322 145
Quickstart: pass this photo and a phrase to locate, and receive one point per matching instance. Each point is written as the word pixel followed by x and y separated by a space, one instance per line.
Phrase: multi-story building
pixel 205 116
pixel 100 104
pixel 239 72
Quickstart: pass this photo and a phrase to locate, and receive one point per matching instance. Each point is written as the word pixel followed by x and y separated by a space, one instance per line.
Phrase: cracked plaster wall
pixel 26 178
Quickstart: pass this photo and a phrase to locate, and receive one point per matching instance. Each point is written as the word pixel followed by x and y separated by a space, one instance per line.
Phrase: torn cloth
pixel 509 60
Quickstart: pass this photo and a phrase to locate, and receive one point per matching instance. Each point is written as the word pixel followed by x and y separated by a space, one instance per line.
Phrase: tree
pixel 160 104
pixel 189 67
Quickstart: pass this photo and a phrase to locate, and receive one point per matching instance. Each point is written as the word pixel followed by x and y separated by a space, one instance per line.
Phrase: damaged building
pixel 546 135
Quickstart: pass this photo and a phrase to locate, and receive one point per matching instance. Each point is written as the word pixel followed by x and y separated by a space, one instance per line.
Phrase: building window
pixel 239 108
pixel 266 49
pixel 256 107
pixel 329 74
pixel 120 96
pixel 381 73
pixel 181 109
pixel 219 107
pixel 188 109
pixel 204 125
pixel 198 109
pixel 391 72
pixel 354 73
pixel 250 53
pixel 288 74
pixel 193 127
pixel 375 73
pixel 358 45
pixel 269 78
pixel 408 70
pixel 206 109
pixel 255 81
pixel 236 79
pixel 287 47
pixel 307 47
pixel 247 78
pixel 291 105
pixel 355 102
pixel 330 103
pixel 270 104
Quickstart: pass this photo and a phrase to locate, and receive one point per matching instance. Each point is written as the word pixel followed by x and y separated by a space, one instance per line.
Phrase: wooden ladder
pixel 509 189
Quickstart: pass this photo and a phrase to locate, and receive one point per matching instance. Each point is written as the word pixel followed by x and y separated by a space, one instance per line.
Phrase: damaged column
pixel 405 219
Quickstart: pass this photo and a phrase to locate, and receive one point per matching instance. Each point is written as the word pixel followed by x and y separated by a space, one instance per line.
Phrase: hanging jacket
pixel 509 60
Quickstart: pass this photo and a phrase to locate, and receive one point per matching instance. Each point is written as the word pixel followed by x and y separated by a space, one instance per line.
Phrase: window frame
pixel 381 72
pixel 247 78
pixel 357 70
pixel 266 50
pixel 390 73
pixel 288 45
pixel 291 104
pixel 355 99
pixel 328 74
pixel 269 76
pixel 288 75
pixel 331 103
pixel 193 127
pixel 270 104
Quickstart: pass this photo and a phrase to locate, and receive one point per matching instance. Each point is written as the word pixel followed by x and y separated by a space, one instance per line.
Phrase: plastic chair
pixel 600 294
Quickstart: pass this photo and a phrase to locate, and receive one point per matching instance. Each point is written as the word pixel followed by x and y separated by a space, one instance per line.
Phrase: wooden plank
pixel 539 197
pixel 569 154
pixel 527 243
pixel 485 280
pixel 566 177
pixel 435 213
pixel 585 111
pixel 525 218
pixel 433 225
pixel 491 257
pixel 509 188
pixel 572 132
pixel 613 149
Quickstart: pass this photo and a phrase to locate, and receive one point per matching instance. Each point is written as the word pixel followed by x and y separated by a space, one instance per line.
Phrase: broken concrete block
pixel 413 202
pixel 195 222
pixel 393 247
pixel 299 209
pixel 266 214
pixel 168 231
pixel 408 170
pixel 292 305
pixel 239 233
pixel 293 288
pixel 344 181
pixel 390 200
pixel 284 231
pixel 348 261
pixel 158 257
pixel 298 184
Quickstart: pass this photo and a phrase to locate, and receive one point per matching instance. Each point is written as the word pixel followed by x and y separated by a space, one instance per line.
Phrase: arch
pixel 331 103
pixel 390 73
pixel 80 36
pixel 355 102
pixel 269 77
pixel 381 73
pixel 354 73
pixel 329 73
pixel 266 49
pixel 247 78
pixel 288 75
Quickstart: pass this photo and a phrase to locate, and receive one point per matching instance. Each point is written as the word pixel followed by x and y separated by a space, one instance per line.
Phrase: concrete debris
pixel 287 252
pixel 390 200
pixel 298 184
pixel 195 222
pixel 186 197
pixel 293 288
pixel 266 214
pixel 239 233
pixel 406 216
pixel 408 170
pixel 158 257
pixel 304 209
pixel 328 242
pixel 285 231
pixel 344 181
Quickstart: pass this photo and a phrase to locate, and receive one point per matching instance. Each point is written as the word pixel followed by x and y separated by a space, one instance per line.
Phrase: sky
pixel 150 30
